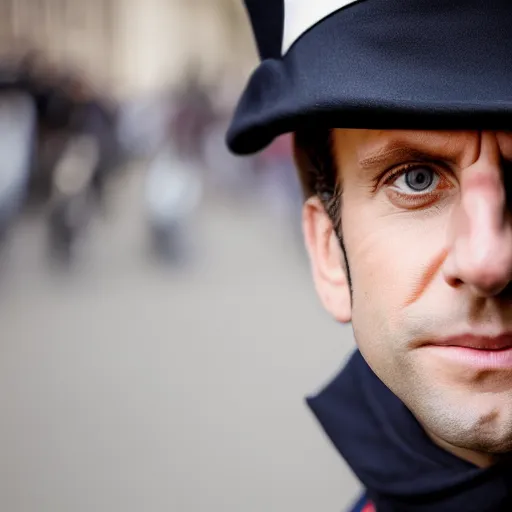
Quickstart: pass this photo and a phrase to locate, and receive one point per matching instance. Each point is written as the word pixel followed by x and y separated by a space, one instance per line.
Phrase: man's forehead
pixel 368 148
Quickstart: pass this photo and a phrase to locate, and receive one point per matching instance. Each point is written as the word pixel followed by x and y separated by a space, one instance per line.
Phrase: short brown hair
pixel 315 161
pixel 319 176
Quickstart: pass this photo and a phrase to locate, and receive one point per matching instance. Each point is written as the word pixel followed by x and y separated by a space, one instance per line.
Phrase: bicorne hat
pixel 383 64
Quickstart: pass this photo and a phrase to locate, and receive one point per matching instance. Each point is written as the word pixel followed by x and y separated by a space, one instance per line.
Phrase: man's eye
pixel 419 180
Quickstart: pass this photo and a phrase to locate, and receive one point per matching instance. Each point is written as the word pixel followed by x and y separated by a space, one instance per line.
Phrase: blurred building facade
pixel 134 47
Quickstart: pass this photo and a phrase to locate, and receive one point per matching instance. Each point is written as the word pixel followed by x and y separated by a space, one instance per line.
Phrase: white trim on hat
pixel 301 15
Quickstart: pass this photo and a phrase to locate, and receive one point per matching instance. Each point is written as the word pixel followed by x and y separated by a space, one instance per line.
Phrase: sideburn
pixel 333 209
pixel 318 174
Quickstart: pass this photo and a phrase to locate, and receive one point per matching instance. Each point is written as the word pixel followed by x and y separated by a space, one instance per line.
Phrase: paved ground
pixel 126 387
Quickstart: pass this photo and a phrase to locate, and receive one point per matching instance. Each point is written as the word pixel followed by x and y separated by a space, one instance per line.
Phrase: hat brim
pixel 427 64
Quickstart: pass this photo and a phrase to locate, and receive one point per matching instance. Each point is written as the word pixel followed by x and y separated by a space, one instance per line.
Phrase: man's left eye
pixel 418 180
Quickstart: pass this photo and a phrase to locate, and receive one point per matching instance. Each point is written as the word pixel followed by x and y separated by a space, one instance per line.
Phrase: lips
pixel 479 352
pixel 502 342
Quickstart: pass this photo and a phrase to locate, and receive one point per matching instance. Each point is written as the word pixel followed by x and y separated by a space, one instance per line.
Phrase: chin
pixel 488 443
pixel 480 427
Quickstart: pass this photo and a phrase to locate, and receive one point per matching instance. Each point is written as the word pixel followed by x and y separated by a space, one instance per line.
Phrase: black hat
pixel 430 64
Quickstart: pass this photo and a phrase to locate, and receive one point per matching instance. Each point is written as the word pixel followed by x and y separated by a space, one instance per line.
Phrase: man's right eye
pixel 416 185
pixel 418 180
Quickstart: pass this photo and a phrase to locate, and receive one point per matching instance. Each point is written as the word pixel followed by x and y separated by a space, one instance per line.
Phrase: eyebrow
pixel 395 152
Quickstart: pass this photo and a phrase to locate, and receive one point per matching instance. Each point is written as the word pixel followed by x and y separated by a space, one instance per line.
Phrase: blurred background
pixel 159 325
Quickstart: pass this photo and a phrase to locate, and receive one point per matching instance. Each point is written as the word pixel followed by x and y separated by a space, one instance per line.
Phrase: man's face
pixel 427 229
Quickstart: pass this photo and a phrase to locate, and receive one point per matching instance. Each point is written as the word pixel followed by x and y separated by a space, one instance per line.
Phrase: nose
pixel 480 232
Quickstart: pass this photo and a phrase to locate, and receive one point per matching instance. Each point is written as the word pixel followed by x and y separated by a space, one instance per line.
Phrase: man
pixel 400 111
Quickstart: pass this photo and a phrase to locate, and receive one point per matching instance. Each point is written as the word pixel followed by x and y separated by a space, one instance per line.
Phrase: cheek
pixel 390 258
pixel 377 289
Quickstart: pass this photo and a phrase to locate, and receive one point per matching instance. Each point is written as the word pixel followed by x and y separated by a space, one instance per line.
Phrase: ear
pixel 327 261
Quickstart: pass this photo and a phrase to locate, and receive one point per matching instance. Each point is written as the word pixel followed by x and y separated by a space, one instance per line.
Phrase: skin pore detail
pixel 428 233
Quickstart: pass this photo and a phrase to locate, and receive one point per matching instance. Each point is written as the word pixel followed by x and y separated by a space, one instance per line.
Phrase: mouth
pixel 482 352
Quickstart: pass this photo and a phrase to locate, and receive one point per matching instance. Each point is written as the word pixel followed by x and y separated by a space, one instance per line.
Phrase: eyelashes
pixel 419 179
pixel 415 185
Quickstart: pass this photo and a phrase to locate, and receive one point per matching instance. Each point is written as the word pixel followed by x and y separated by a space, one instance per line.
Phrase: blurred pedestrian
pixel 94 117
pixel 17 137
pixel 192 119
pixel 173 194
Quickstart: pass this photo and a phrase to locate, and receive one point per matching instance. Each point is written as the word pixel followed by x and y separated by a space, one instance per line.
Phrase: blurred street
pixel 128 386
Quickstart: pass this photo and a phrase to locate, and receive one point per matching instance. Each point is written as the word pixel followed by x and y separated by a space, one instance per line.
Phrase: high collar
pixel 392 456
